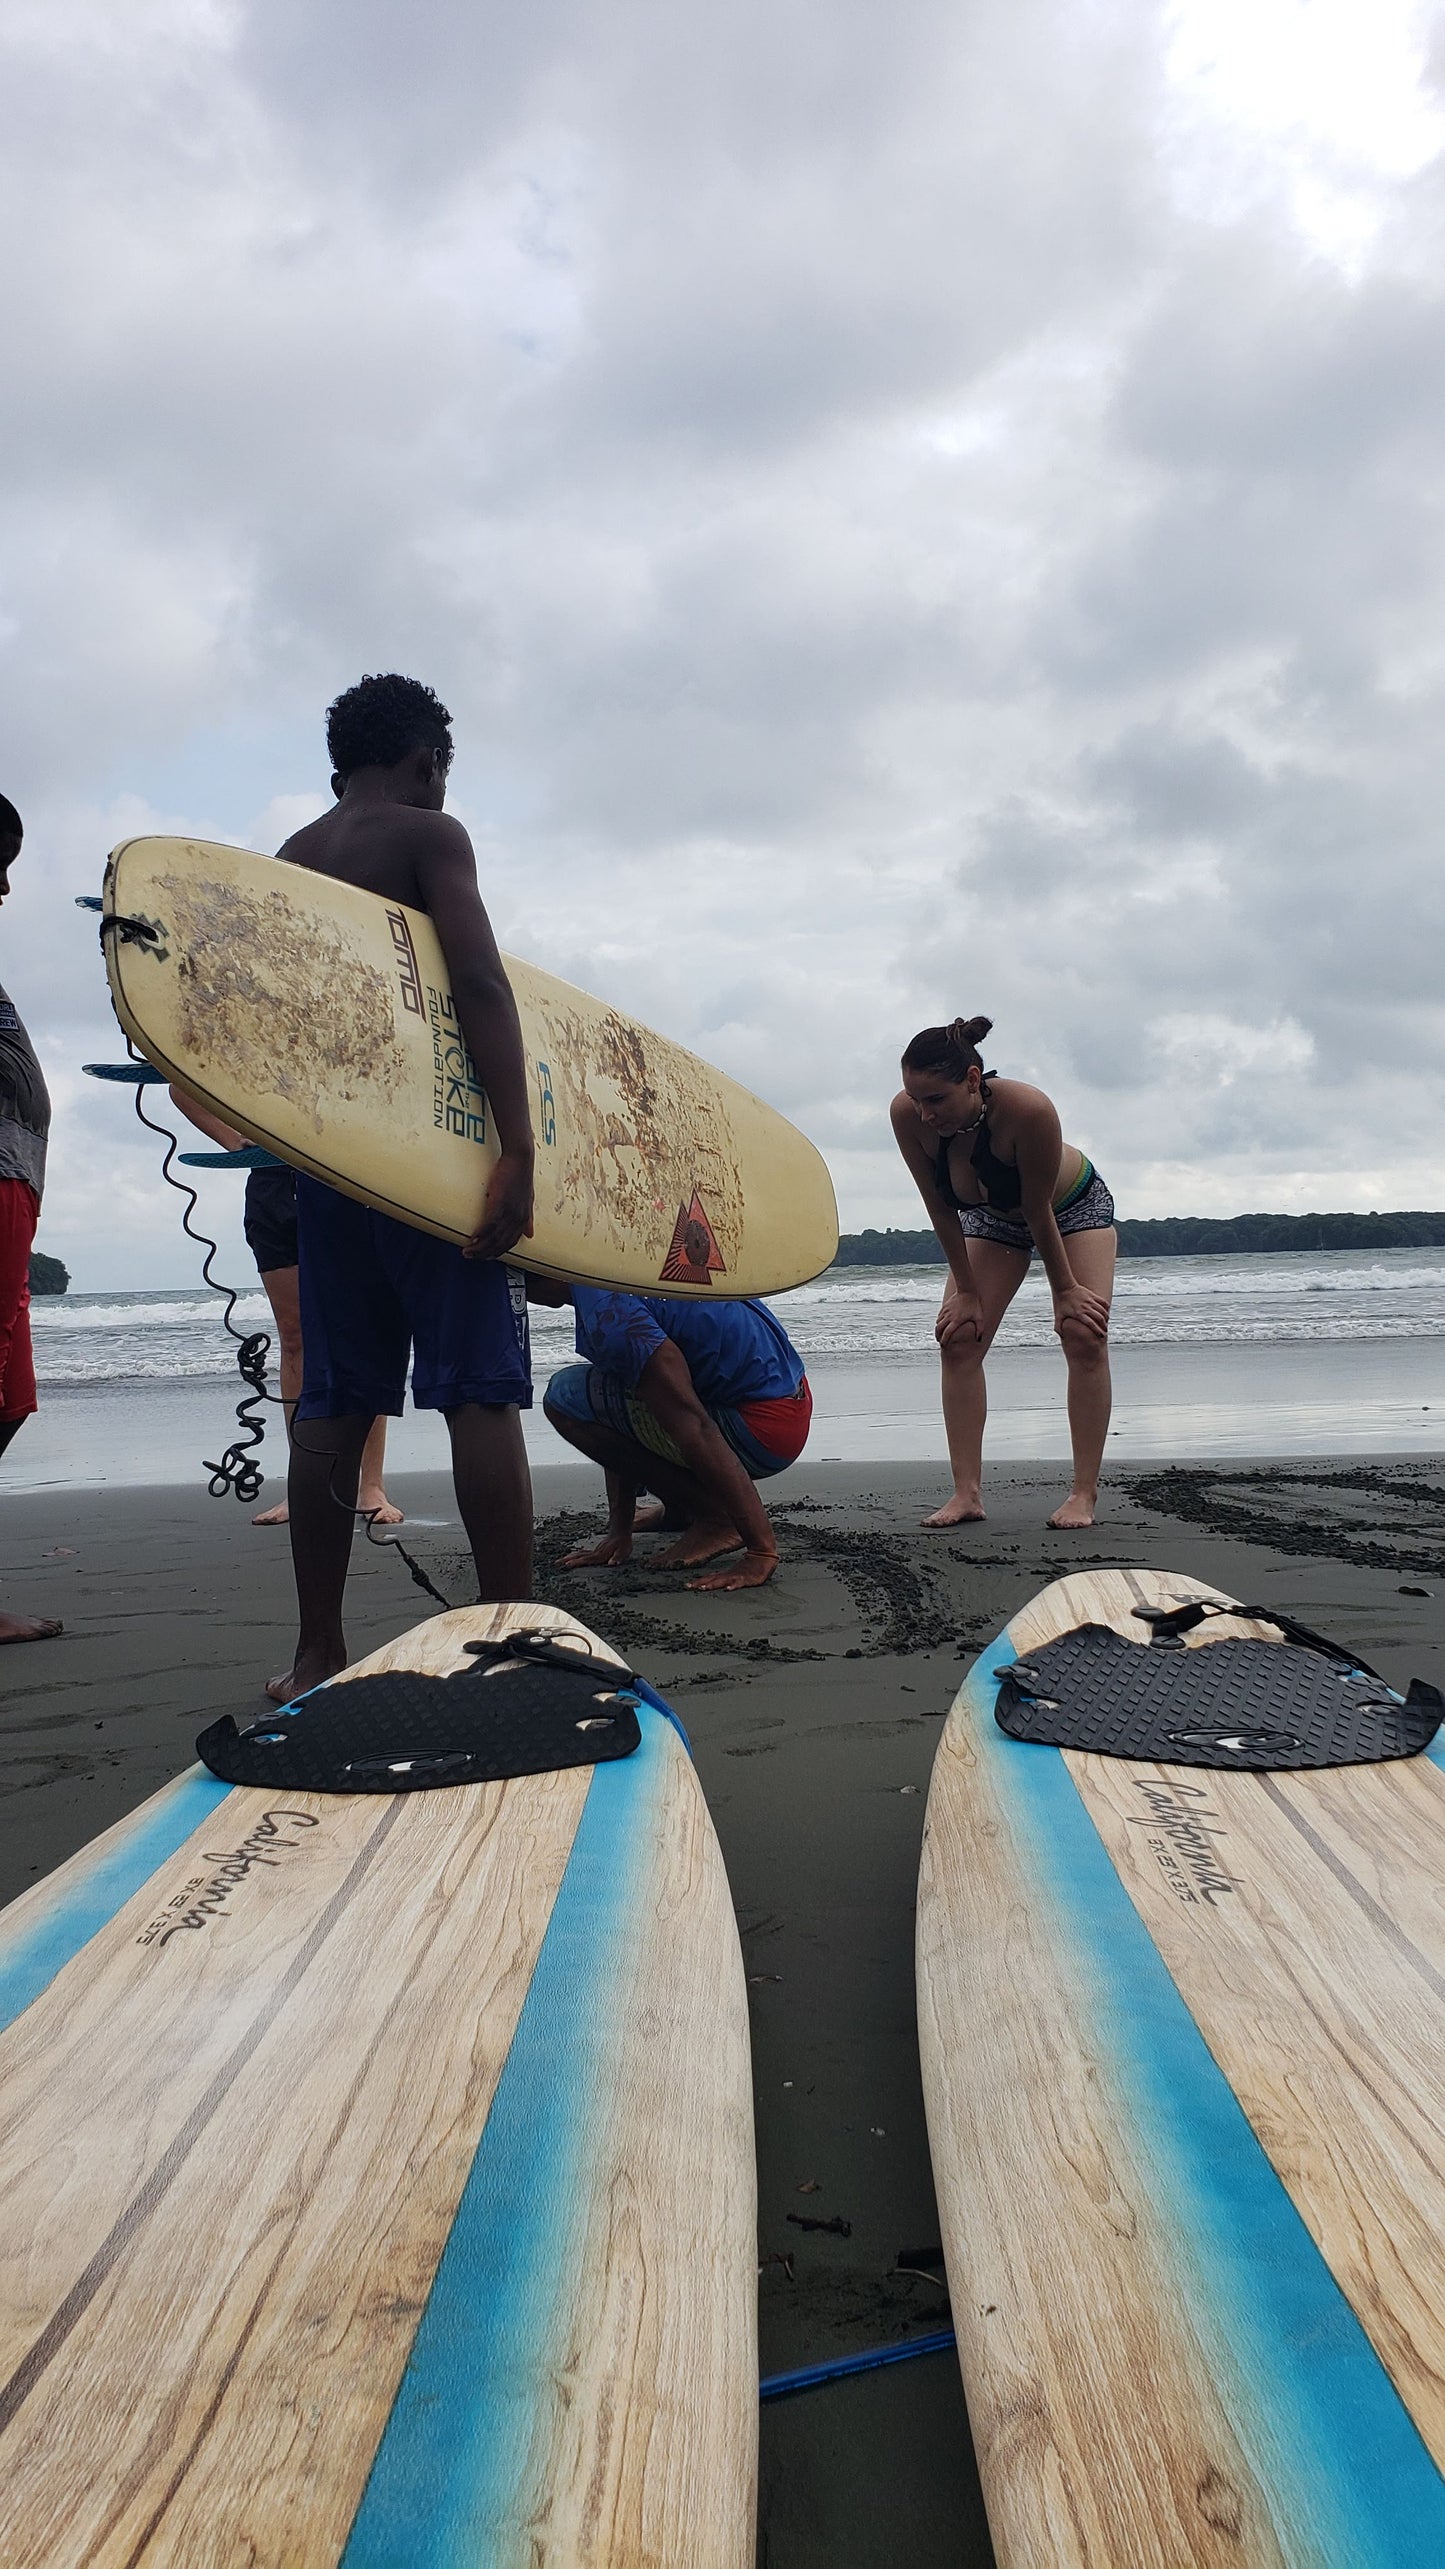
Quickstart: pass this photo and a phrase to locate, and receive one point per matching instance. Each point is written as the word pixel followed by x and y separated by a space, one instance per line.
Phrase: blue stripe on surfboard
pixel 1317 2415
pixel 33 1951
pixel 661 1705
pixel 449 2487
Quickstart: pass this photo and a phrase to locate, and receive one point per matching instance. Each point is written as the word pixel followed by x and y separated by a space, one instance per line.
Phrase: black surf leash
pixel 1168 1625
pixel 238 1472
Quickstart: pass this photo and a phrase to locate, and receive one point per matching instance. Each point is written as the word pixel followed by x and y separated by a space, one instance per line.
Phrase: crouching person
pixel 693 1400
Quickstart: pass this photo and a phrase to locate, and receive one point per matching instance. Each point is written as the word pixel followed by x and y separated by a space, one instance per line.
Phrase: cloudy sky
pixel 912 510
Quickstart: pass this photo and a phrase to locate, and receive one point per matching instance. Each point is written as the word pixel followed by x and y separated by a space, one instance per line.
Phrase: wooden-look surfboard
pixel 319 1019
pixel 376 2182
pixel 1183 2039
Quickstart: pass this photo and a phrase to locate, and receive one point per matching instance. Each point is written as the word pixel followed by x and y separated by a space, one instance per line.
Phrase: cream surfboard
pixel 376 2181
pixel 1183 2040
pixel 319 1020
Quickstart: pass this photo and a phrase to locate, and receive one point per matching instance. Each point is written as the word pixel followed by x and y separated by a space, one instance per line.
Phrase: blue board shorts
pixel 375 1293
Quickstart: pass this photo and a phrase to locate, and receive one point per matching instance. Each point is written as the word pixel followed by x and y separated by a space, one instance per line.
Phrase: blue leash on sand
pixel 812 2377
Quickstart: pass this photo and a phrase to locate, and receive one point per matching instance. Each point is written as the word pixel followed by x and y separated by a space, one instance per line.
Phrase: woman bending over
pixel 999 1182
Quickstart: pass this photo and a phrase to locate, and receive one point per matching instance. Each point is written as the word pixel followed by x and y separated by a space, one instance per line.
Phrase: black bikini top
pixel 1002 1186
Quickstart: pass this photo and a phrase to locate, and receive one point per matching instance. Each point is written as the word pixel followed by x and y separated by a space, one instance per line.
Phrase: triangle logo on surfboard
pixel 693 1255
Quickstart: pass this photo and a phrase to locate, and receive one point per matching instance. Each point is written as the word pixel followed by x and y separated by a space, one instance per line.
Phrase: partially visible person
pixel 999 1181
pixel 695 1400
pixel 270 1227
pixel 24 1132
pixel 373 1289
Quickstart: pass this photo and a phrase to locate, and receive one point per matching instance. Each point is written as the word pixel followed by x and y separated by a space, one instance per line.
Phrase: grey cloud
pixel 881 555
pixel 1265 364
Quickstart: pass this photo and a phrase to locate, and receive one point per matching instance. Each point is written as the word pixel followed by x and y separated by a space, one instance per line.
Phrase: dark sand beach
pixel 813 1706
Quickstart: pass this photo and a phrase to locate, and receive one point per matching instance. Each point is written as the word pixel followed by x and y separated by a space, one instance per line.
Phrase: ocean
pixel 1332 1352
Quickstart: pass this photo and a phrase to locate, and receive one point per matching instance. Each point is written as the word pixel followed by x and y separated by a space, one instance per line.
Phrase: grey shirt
pixel 24 1102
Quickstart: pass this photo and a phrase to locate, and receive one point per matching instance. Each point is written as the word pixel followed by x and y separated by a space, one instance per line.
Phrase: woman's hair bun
pixel 952 1051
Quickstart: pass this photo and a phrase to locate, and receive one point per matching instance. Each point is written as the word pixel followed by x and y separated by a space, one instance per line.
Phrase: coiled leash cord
pixel 239 1471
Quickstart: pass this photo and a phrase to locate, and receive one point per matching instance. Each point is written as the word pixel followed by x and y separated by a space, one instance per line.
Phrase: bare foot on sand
pixel 28 1628
pixel 958 1510
pixel 310 1670
pixel 659 1520
pixel 700 1543
pixel 752 1570
pixel 1075 1515
pixel 280 1514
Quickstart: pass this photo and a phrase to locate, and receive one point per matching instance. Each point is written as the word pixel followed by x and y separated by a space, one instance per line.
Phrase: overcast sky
pixel 913 510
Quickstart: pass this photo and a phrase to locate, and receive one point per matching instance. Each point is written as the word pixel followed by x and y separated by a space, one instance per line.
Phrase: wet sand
pixel 814 1707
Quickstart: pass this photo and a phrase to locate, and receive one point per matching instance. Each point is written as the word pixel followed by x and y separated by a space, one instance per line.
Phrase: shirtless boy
pixel 373 1288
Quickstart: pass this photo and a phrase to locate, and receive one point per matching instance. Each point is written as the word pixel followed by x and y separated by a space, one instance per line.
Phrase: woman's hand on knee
pixel 1080 1313
pixel 960 1322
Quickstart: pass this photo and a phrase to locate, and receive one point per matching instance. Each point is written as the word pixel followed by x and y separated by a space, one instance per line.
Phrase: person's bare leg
pixel 372 1497
pixel 325 1468
pixel 965 1411
pixel 494 1495
pixel 23 1627
pixel 1091 1255
pixel 999 1272
pixel 685 1503
pixel 282 1291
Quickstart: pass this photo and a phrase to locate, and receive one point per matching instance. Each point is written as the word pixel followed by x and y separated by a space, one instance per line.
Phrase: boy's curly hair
pixel 379 720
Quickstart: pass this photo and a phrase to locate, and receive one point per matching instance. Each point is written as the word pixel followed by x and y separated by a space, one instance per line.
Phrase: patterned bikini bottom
pixel 1088 1207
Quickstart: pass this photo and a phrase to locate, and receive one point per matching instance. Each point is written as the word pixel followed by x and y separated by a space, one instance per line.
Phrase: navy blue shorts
pixel 374 1290
pixel 270 1222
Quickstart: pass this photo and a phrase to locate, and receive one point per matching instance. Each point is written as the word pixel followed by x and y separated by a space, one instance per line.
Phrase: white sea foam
pixel 1284 1300
pixel 855 1312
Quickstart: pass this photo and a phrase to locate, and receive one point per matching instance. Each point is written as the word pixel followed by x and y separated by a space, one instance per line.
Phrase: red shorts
pixel 780 1426
pixel 19 1212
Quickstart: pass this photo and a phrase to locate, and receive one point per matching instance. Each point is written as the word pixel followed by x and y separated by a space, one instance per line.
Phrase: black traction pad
pixel 1250 1705
pixel 408 1733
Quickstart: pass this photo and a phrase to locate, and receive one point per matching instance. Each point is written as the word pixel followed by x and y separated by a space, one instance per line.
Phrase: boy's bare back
pixel 382 844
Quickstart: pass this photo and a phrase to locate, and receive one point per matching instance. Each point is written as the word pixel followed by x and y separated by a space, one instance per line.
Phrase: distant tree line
pixel 1190 1235
pixel 47 1275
